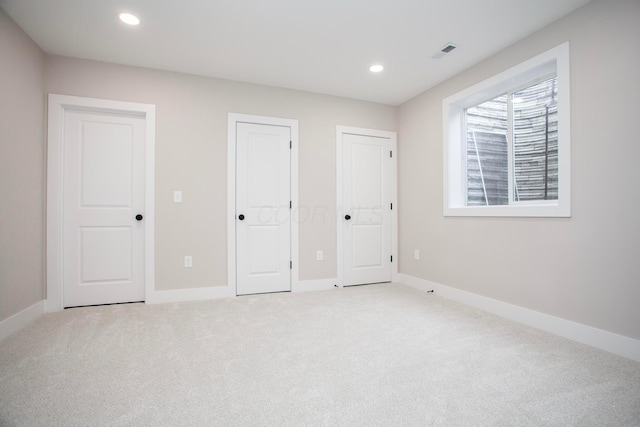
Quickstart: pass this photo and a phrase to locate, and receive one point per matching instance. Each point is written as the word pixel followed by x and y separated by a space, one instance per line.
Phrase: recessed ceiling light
pixel 376 68
pixel 128 18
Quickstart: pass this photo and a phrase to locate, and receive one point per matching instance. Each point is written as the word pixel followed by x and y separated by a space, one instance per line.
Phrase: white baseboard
pixel 190 294
pixel 215 292
pixel 19 320
pixel 604 340
pixel 314 285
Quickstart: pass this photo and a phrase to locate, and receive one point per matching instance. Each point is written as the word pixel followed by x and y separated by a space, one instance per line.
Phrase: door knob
pixel 347 217
pixel 241 217
pixel 139 217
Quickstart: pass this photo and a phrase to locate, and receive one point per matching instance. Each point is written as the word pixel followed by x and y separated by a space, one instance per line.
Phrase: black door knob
pixel 347 217
pixel 241 217
pixel 139 217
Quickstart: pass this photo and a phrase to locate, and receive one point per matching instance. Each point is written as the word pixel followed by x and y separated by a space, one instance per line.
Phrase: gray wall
pixel 584 268
pixel 191 155
pixel 22 155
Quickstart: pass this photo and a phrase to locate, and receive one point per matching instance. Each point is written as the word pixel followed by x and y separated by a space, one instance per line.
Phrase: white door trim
pixel 58 104
pixel 340 131
pixel 235 118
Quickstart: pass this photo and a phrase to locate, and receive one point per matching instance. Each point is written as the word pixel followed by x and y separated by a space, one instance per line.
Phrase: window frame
pixel 554 61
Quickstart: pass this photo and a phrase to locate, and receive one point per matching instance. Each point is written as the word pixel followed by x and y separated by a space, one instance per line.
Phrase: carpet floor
pixel 378 355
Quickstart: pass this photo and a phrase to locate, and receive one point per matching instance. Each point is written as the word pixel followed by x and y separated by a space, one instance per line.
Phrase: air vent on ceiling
pixel 445 49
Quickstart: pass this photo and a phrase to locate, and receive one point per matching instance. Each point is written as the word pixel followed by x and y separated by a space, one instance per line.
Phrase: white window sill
pixel 538 210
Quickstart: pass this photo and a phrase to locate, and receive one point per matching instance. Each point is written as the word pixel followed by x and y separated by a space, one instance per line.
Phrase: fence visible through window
pixel 529 118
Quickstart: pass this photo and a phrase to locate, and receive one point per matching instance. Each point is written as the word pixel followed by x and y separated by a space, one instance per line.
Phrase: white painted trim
pixel 315 285
pixel 454 171
pixel 18 321
pixel 57 106
pixel 392 136
pixel 150 203
pixel 191 294
pixel 604 340
pixel 228 291
pixel 233 119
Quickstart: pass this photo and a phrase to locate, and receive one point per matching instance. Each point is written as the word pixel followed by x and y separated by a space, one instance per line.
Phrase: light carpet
pixel 379 355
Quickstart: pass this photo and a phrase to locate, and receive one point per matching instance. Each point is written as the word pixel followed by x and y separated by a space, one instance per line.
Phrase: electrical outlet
pixel 319 255
pixel 188 261
pixel 177 197
pixel 416 254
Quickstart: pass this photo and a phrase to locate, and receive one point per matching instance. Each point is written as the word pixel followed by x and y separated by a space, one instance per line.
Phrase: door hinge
pixel 291 265
pixel 390 153
pixel 391 206
pixel 290 144
pixel 290 204
pixel 391 258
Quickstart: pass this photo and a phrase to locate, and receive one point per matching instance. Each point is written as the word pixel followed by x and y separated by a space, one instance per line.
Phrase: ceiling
pixel 323 46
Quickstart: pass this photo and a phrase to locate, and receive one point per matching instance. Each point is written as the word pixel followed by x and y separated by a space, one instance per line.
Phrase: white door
pixel 104 178
pixel 366 209
pixel 263 208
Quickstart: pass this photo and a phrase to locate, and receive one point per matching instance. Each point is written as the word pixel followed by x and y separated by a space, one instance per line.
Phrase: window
pixel 506 142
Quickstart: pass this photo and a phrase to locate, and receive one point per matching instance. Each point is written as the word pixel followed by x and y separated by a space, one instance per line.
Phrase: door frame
pixel 57 106
pixel 392 136
pixel 233 120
